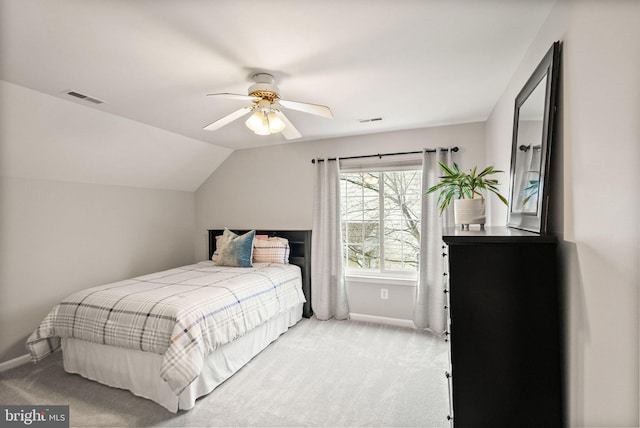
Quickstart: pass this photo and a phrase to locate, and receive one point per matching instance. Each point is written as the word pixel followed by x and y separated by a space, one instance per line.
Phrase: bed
pixel 174 336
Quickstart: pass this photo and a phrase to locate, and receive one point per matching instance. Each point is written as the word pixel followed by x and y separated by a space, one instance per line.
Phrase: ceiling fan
pixel 267 117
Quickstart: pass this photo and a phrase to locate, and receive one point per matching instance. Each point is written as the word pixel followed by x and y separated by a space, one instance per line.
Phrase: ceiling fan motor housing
pixel 264 87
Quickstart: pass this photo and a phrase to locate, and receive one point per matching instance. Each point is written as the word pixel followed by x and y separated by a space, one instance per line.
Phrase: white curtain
pixel 429 310
pixel 328 292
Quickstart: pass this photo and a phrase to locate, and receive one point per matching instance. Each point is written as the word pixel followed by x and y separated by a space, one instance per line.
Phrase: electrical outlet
pixel 384 293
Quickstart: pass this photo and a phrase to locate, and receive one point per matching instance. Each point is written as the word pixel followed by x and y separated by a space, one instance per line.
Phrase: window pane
pixel 362 212
pixel 353 255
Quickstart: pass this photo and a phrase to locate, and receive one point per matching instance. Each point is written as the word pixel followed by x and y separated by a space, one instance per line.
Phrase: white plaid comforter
pixel 183 313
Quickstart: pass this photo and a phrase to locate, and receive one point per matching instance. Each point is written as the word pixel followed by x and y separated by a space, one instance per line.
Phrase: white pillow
pixel 271 250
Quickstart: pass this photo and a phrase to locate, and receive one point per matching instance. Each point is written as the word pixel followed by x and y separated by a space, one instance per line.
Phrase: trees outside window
pixel 381 220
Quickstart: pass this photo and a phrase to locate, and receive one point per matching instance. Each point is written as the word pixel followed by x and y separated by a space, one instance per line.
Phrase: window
pixel 381 221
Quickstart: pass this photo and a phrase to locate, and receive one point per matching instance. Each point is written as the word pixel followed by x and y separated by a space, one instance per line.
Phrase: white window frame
pixel 396 277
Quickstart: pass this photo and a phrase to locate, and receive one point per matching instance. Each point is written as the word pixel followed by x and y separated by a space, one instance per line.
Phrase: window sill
pixel 381 279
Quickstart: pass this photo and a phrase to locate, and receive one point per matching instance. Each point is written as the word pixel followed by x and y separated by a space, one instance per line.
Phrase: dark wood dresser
pixel 505 328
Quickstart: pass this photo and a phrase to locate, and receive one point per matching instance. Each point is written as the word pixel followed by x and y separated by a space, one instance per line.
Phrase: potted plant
pixel 466 189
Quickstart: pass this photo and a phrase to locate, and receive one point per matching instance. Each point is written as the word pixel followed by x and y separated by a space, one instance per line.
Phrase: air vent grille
pixel 84 97
pixel 373 119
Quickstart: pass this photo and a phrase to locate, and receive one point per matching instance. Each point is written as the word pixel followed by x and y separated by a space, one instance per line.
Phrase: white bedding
pixel 139 372
pixel 182 314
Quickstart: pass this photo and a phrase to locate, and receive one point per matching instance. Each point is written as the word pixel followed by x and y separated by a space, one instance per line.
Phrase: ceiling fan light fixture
pixel 255 120
pixel 275 123
pixel 265 122
pixel 263 129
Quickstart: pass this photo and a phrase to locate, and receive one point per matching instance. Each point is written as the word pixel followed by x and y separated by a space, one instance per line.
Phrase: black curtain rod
pixel 453 149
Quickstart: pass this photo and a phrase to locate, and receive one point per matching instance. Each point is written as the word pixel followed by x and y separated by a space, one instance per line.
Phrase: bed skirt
pixel 139 372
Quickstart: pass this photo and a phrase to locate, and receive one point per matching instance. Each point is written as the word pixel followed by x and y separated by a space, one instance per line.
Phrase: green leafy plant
pixel 530 191
pixel 457 184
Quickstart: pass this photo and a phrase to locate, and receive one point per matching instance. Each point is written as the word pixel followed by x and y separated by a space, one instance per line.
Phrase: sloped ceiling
pixel 44 137
pixel 413 63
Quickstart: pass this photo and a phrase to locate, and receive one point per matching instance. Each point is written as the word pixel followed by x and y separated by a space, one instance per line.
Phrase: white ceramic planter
pixel 469 211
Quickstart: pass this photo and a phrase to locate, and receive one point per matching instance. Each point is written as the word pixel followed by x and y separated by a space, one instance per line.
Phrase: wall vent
pixel 374 119
pixel 84 97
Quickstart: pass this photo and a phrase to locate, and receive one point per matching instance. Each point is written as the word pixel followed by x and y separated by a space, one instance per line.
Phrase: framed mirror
pixel 533 134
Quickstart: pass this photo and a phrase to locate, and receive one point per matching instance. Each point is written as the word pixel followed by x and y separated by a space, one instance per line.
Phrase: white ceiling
pixel 415 63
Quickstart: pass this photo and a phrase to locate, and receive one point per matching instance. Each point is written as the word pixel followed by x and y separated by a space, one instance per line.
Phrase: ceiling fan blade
pixel 316 109
pixel 290 132
pixel 235 96
pixel 227 119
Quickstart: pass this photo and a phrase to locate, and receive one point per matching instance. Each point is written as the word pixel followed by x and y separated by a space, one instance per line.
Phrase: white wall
pixel 272 188
pixel 60 237
pixel 57 235
pixel 600 154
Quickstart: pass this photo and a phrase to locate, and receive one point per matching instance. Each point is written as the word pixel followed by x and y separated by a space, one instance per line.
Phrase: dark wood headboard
pixel 300 244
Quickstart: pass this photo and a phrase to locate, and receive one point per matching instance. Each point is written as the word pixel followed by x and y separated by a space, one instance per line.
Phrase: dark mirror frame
pixel 536 221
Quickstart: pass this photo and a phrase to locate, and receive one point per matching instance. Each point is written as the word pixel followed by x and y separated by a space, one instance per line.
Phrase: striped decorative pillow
pixel 271 250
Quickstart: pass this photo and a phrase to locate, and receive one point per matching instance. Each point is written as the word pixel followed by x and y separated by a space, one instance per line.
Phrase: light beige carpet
pixel 320 373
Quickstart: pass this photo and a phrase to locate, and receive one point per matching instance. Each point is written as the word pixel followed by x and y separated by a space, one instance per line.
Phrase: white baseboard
pixel 382 320
pixel 8 365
